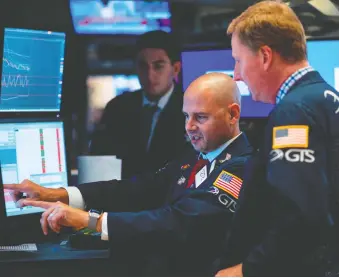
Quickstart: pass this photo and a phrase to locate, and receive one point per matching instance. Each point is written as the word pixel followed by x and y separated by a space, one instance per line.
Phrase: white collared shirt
pixel 77 201
pixel 162 101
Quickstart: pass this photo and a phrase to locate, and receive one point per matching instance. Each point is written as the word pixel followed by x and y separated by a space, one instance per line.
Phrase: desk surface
pixel 53 259
pixel 52 251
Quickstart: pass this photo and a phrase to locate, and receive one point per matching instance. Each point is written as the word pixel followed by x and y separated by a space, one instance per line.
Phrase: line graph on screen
pixel 32 68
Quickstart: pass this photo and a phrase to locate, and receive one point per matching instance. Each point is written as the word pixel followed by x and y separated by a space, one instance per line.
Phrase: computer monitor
pixel 220 60
pixel 32 70
pixel 102 88
pixel 119 17
pixel 323 55
pixel 35 151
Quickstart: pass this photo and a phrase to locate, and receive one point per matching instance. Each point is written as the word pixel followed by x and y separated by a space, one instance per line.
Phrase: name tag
pixel 201 176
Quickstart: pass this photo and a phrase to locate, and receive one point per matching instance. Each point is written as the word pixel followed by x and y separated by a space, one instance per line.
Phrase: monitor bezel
pixel 17 229
pixel 22 228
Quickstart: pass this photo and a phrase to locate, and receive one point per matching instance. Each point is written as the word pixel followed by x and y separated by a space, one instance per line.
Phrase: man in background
pixel 169 222
pixel 289 203
pixel 146 128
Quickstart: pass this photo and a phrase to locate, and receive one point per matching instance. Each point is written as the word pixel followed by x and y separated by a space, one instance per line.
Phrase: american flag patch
pixel 290 136
pixel 229 183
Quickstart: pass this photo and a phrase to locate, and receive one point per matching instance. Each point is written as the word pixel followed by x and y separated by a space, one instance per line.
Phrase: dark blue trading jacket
pixel 158 227
pixel 288 203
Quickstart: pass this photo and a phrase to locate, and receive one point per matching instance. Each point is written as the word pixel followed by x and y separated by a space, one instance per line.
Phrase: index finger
pixel 12 186
pixel 41 204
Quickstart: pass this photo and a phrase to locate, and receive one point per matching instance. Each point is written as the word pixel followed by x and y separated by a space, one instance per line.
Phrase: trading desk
pixel 53 259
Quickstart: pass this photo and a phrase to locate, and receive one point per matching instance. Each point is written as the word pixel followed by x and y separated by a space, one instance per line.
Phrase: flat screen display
pixel 119 17
pixel 32 70
pixel 323 56
pixel 34 151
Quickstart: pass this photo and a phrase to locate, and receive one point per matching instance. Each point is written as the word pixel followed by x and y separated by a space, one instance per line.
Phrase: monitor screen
pixel 34 151
pixel 119 17
pixel 323 55
pixel 220 61
pixel 32 70
pixel 102 88
pixel 326 62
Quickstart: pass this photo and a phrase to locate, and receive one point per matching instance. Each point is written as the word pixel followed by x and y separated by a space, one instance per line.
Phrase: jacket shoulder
pixel 124 99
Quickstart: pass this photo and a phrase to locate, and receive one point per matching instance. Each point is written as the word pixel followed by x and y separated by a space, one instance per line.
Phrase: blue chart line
pixel 16 63
pixel 16 67
pixel 32 67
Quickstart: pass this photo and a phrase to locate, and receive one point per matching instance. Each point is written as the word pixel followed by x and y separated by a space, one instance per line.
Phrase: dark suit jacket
pixel 119 133
pixel 162 228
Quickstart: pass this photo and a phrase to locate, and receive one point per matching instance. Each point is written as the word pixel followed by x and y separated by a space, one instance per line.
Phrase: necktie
pixel 147 120
pixel 196 168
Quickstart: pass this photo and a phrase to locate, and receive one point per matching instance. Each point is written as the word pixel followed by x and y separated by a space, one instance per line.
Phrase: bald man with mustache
pixel 171 222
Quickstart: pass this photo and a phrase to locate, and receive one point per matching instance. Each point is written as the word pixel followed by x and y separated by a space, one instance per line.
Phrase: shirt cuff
pixel 104 228
pixel 75 198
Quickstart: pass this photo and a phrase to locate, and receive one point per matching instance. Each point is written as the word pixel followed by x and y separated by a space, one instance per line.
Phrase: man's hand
pixel 58 215
pixel 234 271
pixel 35 192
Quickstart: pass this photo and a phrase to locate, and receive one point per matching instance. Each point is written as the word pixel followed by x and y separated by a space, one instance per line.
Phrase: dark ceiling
pixel 197 22
pixel 319 17
pixel 190 17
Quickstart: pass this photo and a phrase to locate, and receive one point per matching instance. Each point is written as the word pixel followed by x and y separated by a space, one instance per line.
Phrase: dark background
pixel 199 23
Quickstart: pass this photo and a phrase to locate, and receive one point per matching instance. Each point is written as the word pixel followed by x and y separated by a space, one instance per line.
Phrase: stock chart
pixel 32 69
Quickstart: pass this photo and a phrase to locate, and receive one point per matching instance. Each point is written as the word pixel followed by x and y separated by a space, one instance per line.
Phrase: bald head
pixel 212 111
pixel 217 86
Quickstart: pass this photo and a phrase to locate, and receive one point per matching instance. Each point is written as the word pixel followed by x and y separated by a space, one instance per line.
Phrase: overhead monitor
pixel 32 70
pixel 34 151
pixel 220 60
pixel 119 17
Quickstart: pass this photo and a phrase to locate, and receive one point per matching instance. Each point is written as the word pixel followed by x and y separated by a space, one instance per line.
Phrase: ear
pixel 267 55
pixel 234 109
pixel 176 68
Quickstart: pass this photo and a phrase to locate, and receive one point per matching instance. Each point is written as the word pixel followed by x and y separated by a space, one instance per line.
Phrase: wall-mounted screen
pixel 119 17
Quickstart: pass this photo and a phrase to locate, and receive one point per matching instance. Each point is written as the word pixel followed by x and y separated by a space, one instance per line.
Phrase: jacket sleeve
pixel 199 218
pixel 142 192
pixel 296 194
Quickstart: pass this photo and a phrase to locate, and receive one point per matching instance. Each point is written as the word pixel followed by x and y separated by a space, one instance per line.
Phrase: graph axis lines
pixel 16 67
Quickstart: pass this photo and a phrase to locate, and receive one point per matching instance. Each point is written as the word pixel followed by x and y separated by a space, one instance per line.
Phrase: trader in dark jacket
pixel 179 215
pixel 146 128
pixel 288 204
